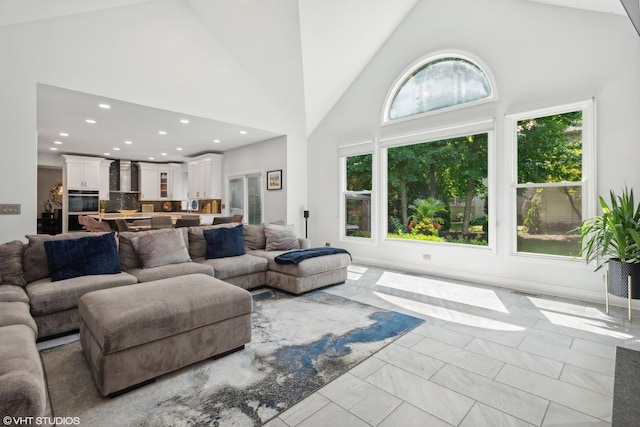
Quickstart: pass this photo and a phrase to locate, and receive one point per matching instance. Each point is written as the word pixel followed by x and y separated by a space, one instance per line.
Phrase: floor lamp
pixel 306 227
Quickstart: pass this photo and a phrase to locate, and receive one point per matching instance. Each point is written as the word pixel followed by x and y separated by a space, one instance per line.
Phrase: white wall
pixel 540 56
pixel 163 55
pixel 260 158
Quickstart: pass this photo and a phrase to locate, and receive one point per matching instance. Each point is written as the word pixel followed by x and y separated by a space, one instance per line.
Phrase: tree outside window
pixel 437 190
pixel 549 187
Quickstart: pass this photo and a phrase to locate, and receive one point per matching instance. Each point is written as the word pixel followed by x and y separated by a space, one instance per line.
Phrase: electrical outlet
pixel 6 209
pixel 327 244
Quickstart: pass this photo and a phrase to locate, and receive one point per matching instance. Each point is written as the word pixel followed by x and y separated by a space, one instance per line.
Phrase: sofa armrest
pixel 23 392
pixel 304 243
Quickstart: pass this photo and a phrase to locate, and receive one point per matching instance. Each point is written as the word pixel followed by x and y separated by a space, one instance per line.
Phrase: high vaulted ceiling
pixel 337 38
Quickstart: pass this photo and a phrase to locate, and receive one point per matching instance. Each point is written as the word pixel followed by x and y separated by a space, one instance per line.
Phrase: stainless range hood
pixel 124 181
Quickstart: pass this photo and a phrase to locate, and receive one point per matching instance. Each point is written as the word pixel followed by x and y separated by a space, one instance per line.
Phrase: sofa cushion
pixel 197 242
pixel 253 237
pixel 169 270
pixel 46 296
pixel 13 293
pixel 17 313
pixel 280 237
pixel 128 256
pixel 11 263
pixel 23 391
pixel 34 259
pixel 224 268
pixel 224 242
pixel 81 257
pixel 307 267
pixel 161 248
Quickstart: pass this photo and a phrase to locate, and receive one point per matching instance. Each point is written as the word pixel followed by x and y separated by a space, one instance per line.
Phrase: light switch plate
pixel 7 209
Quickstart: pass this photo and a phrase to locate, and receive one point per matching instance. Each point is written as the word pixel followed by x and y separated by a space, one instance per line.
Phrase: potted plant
pixel 613 238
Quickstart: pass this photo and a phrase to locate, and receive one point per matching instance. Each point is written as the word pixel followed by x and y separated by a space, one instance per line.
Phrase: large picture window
pixel 550 196
pixel 438 190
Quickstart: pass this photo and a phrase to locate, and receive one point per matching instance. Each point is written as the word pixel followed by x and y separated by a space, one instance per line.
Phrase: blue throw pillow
pixel 224 242
pixel 84 256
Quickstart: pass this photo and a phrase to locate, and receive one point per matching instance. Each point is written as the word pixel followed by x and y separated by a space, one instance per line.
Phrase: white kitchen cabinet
pixel 160 181
pixel 104 179
pixel 178 189
pixel 81 173
pixel 205 177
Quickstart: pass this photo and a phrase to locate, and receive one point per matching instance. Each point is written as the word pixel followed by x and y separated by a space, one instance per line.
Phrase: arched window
pixel 436 83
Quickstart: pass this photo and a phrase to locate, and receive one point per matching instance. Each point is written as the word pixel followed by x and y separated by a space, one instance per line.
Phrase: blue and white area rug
pixel 299 344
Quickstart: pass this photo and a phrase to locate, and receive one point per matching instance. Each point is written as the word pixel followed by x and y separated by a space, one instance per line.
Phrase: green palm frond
pixel 616 233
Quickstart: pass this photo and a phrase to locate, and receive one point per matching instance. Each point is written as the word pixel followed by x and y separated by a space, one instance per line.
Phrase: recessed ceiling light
pixel 184 121
pixel 217 141
pixel 63 134
pixel 53 149
pixel 162 132
pixel 105 106
pixel 116 148
pixel 243 132
pixel 178 148
pixel 57 142
pixel 163 154
pixel 107 154
pixel 91 121
pixel 151 158
pixel 128 142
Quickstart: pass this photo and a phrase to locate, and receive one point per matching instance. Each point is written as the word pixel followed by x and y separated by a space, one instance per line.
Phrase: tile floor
pixel 484 357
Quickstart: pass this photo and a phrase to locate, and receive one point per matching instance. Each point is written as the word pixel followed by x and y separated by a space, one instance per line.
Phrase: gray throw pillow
pixel 253 237
pixel 159 249
pixel 280 237
pixel 11 263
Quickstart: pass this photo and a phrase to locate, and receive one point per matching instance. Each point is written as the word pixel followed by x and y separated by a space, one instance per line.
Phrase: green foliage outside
pixel 436 170
pixel 550 151
pixel 550 148
pixel 532 222
pixel 412 236
pixel 424 220
pixel 359 172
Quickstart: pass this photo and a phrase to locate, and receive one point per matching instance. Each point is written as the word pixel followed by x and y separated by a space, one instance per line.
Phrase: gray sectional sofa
pixel 33 306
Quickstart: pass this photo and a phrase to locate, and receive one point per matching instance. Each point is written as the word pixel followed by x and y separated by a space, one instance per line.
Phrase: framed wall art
pixel 274 180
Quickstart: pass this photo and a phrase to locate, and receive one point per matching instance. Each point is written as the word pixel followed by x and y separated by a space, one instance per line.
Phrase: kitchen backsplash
pixel 130 201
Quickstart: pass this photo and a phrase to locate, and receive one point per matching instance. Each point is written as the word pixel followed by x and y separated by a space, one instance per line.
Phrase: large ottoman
pixel 132 334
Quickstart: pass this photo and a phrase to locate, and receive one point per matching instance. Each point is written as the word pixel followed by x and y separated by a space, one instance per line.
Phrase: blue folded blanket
pixel 295 257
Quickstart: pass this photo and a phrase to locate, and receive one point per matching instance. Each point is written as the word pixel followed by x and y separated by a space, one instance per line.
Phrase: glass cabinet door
pixel 164 185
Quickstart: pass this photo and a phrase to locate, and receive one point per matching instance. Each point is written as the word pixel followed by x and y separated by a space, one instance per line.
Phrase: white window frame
pixel 385 120
pixel 350 150
pixel 463 129
pixel 588 182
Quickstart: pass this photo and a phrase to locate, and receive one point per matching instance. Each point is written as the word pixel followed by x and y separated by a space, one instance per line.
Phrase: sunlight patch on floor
pixel 448 315
pixel 463 294
pixel 587 325
pixel 355 272
pixel 569 308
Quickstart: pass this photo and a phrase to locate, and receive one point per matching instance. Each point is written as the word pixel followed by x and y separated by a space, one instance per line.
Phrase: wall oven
pixel 80 202
pixel 83 201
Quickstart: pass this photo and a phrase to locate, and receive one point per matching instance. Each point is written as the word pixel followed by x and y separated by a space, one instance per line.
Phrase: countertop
pixel 111 216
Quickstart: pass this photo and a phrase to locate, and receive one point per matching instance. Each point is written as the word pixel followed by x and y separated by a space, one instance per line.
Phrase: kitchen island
pixel 205 219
